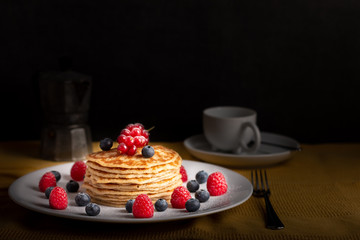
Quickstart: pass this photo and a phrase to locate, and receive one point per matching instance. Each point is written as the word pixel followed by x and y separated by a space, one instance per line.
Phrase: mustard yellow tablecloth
pixel 316 194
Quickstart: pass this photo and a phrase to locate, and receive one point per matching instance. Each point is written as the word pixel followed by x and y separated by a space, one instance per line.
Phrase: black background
pixel 162 62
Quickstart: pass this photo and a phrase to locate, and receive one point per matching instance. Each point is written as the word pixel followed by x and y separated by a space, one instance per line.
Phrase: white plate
pixel 268 154
pixel 25 192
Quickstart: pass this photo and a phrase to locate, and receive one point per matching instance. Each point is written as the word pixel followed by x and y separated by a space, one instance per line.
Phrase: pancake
pixel 112 179
pixel 155 169
pixel 150 187
pixel 112 158
pixel 111 175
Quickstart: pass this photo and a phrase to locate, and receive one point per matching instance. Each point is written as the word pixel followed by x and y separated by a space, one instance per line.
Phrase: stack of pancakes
pixel 112 179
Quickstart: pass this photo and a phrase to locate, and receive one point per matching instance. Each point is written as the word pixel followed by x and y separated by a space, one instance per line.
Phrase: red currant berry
pixel 136 132
pixel 121 138
pixel 139 125
pixel 129 141
pixel 130 126
pixel 146 141
pixel 122 148
pixel 145 133
pixel 139 141
pixel 125 132
pixel 132 150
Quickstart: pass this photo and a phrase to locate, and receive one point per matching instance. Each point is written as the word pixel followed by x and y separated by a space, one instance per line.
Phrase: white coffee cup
pixel 231 128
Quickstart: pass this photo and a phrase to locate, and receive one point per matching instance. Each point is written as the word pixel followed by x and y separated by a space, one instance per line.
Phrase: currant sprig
pixel 133 136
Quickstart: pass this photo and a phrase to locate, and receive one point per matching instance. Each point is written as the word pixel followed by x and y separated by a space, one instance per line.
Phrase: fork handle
pixel 272 219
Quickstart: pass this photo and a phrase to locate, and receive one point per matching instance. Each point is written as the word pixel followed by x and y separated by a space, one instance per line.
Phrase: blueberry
pixel 92 209
pixel 148 151
pixel 202 195
pixel 106 144
pixel 201 177
pixel 192 186
pixel 72 186
pixel 161 205
pixel 48 191
pixel 192 205
pixel 82 199
pixel 129 204
pixel 57 175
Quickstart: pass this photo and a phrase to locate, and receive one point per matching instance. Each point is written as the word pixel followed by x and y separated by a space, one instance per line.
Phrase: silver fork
pixel 261 189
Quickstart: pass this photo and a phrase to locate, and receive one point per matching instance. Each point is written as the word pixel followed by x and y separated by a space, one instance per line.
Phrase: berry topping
pixel 192 205
pixel 129 141
pixel 121 138
pixel 139 141
pixel 78 171
pixel 139 125
pixel 135 132
pixel 72 186
pixel 92 209
pixel 192 186
pixel 47 180
pixel 132 137
pixel 129 205
pixel 179 197
pixel 122 148
pixel 145 133
pixel 201 177
pixel 57 175
pixel 58 198
pixel 161 205
pixel 106 144
pixel 184 177
pixel 216 184
pixel 148 151
pixel 82 199
pixel 130 126
pixel 48 191
pixel 143 207
pixel 125 132
pixel 131 150
pixel 202 195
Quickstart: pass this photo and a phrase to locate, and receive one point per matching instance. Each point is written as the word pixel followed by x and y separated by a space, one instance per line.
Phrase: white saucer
pixel 269 152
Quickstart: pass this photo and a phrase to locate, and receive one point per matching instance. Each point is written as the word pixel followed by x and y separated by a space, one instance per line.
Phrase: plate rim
pixel 59 213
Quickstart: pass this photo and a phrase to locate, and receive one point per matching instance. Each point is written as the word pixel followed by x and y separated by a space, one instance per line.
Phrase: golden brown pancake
pixel 112 179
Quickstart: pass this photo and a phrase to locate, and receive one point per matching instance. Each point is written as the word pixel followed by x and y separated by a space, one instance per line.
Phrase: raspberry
pixel 78 171
pixel 143 207
pixel 58 198
pixel 179 197
pixel 216 184
pixel 47 180
pixel 184 176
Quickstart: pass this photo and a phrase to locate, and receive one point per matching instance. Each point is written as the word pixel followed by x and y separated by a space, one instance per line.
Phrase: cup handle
pixel 257 141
